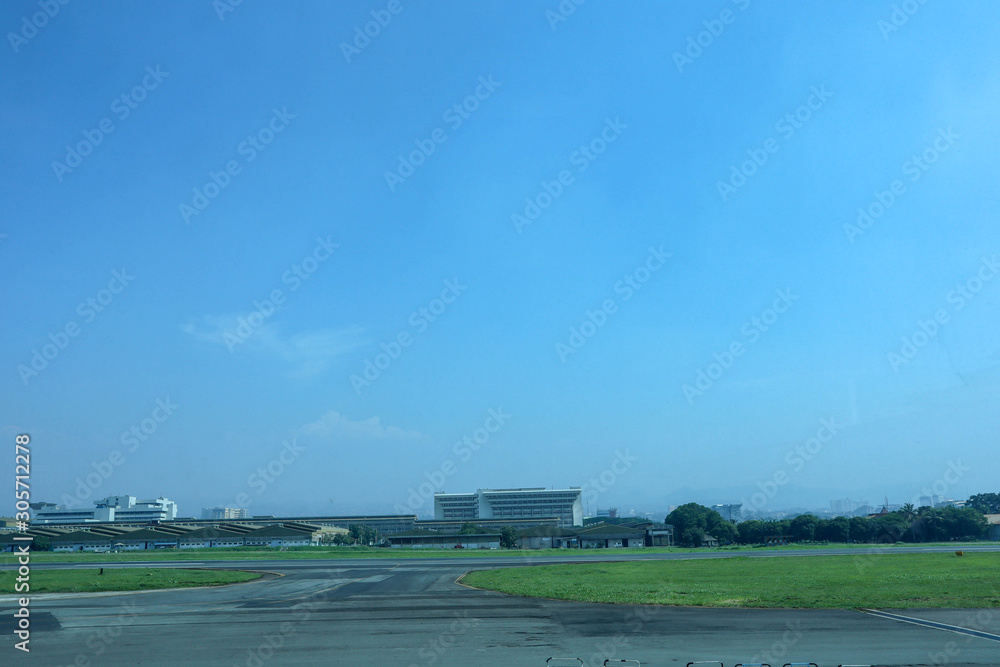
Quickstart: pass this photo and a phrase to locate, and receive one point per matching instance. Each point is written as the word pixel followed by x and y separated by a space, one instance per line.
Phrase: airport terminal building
pixel 565 505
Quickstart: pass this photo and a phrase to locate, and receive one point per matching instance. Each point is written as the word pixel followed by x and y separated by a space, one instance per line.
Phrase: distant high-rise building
pixel 850 507
pixel 862 508
pixel 224 513
pixel 842 506
pixel 730 512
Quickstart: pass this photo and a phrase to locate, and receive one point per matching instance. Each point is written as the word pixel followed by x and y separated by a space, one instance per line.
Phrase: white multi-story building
pixel 531 503
pixel 456 506
pixel 224 513
pixel 123 509
pixel 730 512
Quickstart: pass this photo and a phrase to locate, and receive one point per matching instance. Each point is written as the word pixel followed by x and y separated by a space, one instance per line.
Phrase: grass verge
pixel 122 579
pixel 898 581
pixel 297 553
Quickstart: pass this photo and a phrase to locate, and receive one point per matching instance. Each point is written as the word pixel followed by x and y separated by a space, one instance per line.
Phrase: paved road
pixel 411 612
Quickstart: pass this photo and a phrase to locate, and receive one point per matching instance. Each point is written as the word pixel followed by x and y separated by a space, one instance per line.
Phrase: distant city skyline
pixel 624 507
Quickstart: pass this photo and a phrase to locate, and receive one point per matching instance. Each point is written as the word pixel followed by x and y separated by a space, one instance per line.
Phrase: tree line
pixel 356 534
pixel 508 534
pixel 694 524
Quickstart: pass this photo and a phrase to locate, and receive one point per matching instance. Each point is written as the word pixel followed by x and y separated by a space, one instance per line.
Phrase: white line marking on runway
pixel 934 624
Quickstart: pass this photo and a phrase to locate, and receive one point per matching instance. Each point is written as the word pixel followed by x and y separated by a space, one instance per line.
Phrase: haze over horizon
pixel 487 248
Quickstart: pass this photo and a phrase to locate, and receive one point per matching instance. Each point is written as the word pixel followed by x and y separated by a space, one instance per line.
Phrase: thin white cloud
pixel 210 328
pixel 335 425
pixel 308 353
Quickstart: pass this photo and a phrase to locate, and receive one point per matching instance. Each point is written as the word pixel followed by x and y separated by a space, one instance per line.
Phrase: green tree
pixel 969 523
pixel 987 503
pixel 365 535
pixel 751 532
pixel 909 514
pixel 686 516
pixel 41 543
pixel 803 528
pixel 862 529
pixel 725 532
pixel 952 523
pixel 468 528
pixel 932 528
pixel 834 530
pixel 692 536
pixel 508 537
pixel 890 528
pixel 708 521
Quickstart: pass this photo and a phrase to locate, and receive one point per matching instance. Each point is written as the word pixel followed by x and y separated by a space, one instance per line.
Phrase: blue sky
pixel 647 140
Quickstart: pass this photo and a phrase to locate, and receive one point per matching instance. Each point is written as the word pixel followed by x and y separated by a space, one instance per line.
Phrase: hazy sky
pixel 215 222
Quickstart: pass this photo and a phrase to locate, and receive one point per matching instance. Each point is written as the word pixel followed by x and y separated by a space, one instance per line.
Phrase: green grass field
pixel 269 553
pixel 121 579
pixel 867 580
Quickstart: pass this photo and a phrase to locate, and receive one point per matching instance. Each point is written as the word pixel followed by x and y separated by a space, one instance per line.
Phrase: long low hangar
pixel 123 538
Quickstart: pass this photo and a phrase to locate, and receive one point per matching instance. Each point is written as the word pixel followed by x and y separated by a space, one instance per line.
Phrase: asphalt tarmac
pixel 412 612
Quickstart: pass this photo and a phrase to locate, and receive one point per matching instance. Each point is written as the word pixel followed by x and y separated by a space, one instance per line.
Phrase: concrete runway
pixel 411 612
